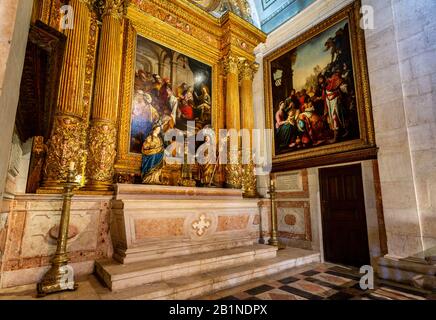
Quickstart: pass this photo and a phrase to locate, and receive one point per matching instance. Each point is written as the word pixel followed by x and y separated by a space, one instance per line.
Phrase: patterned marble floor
pixel 314 281
pixel 320 282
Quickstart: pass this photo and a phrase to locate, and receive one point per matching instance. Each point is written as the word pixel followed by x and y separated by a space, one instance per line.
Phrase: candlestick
pixel 273 240
pixel 60 277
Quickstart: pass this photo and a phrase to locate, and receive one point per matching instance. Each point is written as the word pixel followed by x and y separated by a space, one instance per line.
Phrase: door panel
pixel 345 234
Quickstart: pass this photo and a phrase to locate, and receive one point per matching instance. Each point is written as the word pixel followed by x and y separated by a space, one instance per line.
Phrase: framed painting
pixel 170 89
pixel 166 82
pixel 317 95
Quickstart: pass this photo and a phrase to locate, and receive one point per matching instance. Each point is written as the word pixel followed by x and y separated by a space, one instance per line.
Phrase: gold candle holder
pixel 273 240
pixel 60 277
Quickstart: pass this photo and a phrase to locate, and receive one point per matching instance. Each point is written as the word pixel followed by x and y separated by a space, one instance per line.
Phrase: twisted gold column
pixel 233 121
pixel 248 69
pixel 67 140
pixel 102 134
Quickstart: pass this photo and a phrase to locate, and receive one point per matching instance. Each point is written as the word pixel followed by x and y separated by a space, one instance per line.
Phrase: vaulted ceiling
pixel 264 14
pixel 273 13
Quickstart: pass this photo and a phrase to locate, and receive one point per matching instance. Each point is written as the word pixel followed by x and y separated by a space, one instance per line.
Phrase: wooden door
pixel 345 234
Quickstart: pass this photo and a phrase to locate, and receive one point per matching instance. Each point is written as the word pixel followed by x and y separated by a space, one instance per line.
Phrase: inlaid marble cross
pixel 201 225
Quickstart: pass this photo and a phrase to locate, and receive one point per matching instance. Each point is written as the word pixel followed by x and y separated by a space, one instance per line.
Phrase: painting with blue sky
pixel 313 92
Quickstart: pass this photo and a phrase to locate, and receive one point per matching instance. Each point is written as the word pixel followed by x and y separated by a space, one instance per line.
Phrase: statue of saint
pixel 207 167
pixel 152 157
pixel 205 104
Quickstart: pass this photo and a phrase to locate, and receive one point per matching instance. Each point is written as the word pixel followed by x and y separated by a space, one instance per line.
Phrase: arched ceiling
pixel 264 14
pixel 273 13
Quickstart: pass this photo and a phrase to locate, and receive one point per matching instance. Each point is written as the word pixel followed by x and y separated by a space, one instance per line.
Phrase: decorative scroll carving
pixel 232 64
pixel 67 144
pixel 234 170
pixel 218 7
pixel 90 66
pixel 249 185
pixel 101 154
pixel 114 8
pixel 247 70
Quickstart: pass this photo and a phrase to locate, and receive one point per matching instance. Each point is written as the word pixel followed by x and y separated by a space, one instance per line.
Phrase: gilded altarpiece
pixel 179 27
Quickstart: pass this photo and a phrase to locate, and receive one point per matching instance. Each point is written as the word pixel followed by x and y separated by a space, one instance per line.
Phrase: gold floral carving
pixel 66 144
pixel 114 8
pixel 232 64
pixel 234 170
pixel 249 185
pixel 189 20
pixel 90 67
pixel 101 155
pixel 247 70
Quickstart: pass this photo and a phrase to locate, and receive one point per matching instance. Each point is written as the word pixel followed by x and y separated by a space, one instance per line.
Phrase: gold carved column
pixel 233 121
pixel 102 133
pixel 248 69
pixel 67 140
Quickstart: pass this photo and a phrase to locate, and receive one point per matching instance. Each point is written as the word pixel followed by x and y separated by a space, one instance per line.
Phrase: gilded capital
pixel 89 3
pixel 232 64
pixel 113 8
pixel 247 70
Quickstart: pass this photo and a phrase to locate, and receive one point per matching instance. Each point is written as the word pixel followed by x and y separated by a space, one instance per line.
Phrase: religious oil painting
pixel 170 89
pixel 313 86
pixel 313 92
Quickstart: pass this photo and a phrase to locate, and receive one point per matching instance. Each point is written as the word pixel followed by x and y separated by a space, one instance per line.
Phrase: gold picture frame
pixel 361 148
pixel 139 23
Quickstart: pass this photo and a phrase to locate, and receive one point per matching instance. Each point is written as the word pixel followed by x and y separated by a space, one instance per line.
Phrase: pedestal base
pixel 150 222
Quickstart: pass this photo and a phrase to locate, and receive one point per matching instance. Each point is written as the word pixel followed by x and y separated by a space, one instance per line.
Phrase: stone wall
pixel 14 27
pixel 294 221
pixel 28 236
pixel 401 54
pixel 402 68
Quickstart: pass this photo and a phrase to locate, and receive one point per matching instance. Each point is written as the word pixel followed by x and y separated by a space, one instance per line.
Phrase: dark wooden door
pixel 345 234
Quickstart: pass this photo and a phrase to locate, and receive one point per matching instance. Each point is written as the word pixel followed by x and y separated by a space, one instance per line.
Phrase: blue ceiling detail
pixel 273 13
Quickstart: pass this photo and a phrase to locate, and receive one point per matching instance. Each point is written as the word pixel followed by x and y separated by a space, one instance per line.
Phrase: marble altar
pixel 151 221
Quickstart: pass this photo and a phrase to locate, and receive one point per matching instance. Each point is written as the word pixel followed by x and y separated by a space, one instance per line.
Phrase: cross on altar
pixel 201 225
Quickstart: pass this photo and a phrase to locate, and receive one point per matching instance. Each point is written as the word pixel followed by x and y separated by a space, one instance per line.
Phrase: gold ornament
pixel 67 144
pixel 247 70
pixel 273 240
pixel 60 277
pixel 234 169
pixel 232 64
pixel 114 8
pixel 249 186
pixel 101 155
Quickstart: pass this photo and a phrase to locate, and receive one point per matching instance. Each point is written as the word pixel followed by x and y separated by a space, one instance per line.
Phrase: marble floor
pixel 320 282
pixel 316 281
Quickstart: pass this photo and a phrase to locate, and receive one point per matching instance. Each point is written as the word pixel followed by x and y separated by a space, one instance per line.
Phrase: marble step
pixel 119 276
pixel 420 273
pixel 177 248
pixel 188 287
